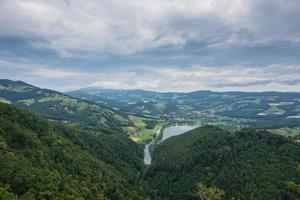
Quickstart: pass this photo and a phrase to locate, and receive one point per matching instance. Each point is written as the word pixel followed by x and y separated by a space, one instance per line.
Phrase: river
pixel 167 133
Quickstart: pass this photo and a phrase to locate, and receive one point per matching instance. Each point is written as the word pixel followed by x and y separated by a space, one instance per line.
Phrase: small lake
pixel 176 130
pixel 167 133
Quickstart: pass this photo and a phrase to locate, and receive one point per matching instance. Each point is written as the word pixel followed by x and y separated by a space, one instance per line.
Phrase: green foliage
pixel 293 186
pixel 6 195
pixel 60 107
pixel 209 193
pixel 48 160
pixel 150 124
pixel 245 165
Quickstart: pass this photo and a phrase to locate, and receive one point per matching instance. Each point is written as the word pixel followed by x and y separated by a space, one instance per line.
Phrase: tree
pixel 6 195
pixel 292 185
pixel 209 193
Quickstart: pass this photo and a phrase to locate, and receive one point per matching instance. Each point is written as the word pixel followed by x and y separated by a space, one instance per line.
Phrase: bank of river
pixel 147 156
pixel 166 133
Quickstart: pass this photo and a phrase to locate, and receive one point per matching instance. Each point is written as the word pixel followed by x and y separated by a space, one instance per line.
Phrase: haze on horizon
pixel 160 45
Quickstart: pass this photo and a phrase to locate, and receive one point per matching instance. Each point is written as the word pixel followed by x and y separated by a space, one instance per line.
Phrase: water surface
pixel 147 156
pixel 167 133
pixel 176 130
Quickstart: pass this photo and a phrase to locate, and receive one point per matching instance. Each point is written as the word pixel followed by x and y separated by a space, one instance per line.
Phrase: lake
pixel 167 133
pixel 176 130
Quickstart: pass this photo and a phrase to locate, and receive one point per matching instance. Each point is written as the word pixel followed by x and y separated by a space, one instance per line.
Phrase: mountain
pixel 41 159
pixel 233 109
pixel 57 106
pixel 53 159
pixel 136 101
pixel 247 164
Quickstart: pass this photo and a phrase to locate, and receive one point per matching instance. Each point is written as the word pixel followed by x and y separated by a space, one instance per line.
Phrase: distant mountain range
pixel 258 109
pixel 110 108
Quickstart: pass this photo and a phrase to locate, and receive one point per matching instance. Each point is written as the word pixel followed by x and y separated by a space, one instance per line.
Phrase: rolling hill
pixel 235 109
pixel 57 106
pixel 50 160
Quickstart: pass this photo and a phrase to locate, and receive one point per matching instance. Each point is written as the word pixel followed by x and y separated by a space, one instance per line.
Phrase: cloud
pixel 291 82
pixel 52 73
pixel 126 27
pixel 110 84
pixel 137 84
pixel 33 70
pixel 165 45
pixel 203 77
pixel 158 78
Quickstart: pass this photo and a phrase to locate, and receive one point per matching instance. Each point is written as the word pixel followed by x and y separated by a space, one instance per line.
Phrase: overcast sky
pixel 161 45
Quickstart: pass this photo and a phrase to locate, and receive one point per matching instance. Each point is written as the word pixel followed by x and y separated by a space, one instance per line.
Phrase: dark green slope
pixel 58 106
pixel 246 165
pixel 48 160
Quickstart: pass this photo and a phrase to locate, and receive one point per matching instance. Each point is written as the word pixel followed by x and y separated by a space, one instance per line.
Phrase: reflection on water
pixel 176 130
pixel 147 156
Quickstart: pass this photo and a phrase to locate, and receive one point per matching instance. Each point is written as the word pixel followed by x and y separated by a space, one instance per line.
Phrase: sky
pixel 160 45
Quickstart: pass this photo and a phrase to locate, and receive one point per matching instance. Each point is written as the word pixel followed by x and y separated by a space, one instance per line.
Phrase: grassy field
pixel 287 132
pixel 274 110
pixel 139 132
pixel 217 120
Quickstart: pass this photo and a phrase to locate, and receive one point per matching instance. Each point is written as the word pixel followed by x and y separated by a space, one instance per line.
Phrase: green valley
pixel 229 109
pixel 149 99
pixel 81 148
pixel 233 110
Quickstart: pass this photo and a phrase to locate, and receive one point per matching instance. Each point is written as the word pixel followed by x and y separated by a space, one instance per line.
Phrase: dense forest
pixel 246 164
pixel 49 160
pixel 77 149
pixel 41 159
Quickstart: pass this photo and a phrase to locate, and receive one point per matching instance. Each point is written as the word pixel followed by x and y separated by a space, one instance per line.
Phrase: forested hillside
pixel 41 159
pixel 53 159
pixel 245 165
pixel 58 106
pixel 48 160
